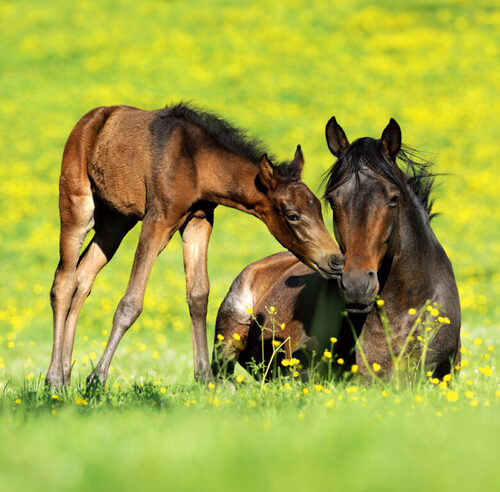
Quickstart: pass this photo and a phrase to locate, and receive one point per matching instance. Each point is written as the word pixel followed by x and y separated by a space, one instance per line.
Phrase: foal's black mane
pixel 367 152
pixel 233 138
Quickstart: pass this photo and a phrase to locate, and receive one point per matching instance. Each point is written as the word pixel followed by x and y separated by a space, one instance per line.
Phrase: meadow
pixel 281 70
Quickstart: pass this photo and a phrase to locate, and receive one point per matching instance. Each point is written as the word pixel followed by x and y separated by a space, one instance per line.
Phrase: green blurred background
pixel 281 70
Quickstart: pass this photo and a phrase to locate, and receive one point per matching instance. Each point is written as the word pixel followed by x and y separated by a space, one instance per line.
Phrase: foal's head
pixel 365 190
pixel 293 215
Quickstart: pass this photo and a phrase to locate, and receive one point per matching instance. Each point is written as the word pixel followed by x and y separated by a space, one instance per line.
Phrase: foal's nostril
pixel 336 262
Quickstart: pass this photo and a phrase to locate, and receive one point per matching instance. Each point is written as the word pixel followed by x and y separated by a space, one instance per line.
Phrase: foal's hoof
pixel 54 380
pixel 204 377
pixel 94 380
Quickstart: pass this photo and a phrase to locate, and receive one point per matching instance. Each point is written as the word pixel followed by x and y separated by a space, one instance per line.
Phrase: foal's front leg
pixel 195 237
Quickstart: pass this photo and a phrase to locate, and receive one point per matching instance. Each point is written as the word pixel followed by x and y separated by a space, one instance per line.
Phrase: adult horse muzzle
pixel 359 289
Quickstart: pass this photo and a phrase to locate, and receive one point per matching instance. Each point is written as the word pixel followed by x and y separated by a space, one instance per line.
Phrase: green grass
pixel 281 70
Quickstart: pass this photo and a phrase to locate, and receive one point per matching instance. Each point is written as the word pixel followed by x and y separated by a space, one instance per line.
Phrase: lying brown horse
pixel 169 168
pixel 381 217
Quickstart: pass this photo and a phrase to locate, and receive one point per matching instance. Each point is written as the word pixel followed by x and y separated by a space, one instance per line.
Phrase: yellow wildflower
pixel 474 403
pixel 240 378
pixel 351 389
pixel 318 387
pixel 285 362
pixel 376 367
pixel 18 401
pixel 443 385
pixel 354 368
pixel 434 312
pixel 469 394
pixel 333 340
pixel 295 374
pixel 276 343
pixel 340 361
pixel 486 370
pixel 452 395
pixel 250 311
pixel 220 337
pixel 380 302
pixel 211 386
pixel 418 398
pixel 329 403
pixel 447 377
pixel 384 393
pixel 236 336
pixel 287 386
pixel 163 390
pixel 477 341
pixel 327 354
pixel 305 391
pixel 412 311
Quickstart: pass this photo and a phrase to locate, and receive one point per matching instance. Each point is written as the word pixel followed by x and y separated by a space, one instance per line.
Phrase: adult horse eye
pixel 393 201
pixel 292 217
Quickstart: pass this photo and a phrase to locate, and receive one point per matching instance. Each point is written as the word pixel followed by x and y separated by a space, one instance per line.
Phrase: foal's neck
pixel 229 179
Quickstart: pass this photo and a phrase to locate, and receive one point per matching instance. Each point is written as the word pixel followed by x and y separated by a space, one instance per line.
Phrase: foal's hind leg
pixel 155 234
pixel 195 237
pixel 77 212
pixel 101 249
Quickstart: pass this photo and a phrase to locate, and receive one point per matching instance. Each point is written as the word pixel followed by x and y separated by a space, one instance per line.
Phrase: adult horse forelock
pixel 379 195
pixel 169 168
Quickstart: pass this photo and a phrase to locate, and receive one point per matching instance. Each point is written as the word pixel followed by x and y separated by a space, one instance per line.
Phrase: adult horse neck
pixel 169 168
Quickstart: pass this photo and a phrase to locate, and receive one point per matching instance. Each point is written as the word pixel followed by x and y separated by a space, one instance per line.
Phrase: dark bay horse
pixel 169 168
pixel 381 215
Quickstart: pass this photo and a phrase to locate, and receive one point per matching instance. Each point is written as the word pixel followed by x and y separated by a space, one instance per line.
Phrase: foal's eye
pixel 292 217
pixel 393 201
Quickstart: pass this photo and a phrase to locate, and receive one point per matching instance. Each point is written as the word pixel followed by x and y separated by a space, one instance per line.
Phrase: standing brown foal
pixel 169 168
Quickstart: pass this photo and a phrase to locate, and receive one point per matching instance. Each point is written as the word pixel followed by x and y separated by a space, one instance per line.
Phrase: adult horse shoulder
pixel 169 168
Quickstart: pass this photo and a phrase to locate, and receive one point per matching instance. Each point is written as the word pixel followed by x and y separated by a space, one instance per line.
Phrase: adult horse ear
pixel 391 139
pixel 335 137
pixel 267 173
pixel 298 163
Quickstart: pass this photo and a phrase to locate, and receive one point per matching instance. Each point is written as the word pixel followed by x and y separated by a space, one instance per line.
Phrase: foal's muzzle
pixel 336 263
pixel 359 289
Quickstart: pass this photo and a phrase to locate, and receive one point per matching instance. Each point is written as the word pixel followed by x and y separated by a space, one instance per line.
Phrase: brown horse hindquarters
pixel 307 313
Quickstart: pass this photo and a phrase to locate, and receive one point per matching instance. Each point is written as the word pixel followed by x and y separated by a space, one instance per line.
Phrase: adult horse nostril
pixel 372 281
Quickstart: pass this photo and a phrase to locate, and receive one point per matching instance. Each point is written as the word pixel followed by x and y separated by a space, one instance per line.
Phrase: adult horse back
pixel 381 216
pixel 169 168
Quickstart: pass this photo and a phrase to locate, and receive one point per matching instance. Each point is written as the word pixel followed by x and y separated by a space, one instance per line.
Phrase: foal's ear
pixel 267 173
pixel 391 139
pixel 298 163
pixel 335 137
